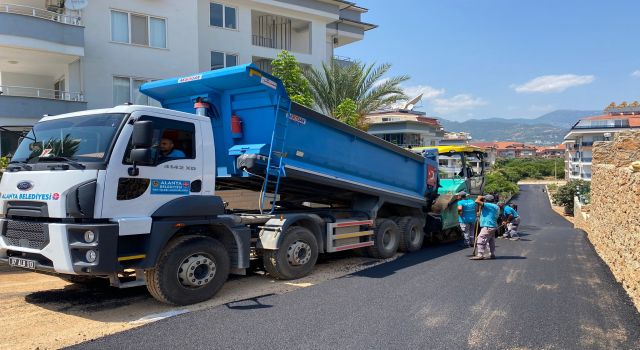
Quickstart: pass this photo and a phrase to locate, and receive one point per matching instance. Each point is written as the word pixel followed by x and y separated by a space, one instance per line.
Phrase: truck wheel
pixel 296 257
pixel 189 270
pixel 386 236
pixel 411 234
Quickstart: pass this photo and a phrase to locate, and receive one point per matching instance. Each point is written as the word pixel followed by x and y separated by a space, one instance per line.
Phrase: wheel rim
pixel 299 253
pixel 414 235
pixel 388 240
pixel 196 271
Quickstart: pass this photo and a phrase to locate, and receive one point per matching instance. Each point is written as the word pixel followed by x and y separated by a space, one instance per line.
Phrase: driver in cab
pixel 168 150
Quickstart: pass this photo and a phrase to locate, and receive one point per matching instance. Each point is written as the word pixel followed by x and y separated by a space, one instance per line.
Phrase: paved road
pixel 548 291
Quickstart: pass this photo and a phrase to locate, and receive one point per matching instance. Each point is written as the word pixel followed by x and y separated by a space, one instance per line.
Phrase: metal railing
pixel 606 126
pixel 23 91
pixel 271 43
pixel 41 13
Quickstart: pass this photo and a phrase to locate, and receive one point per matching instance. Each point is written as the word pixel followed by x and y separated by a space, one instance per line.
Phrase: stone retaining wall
pixel 612 219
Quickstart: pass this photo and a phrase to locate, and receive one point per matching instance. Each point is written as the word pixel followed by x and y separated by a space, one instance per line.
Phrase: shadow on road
pixel 249 304
pixel 78 299
pixel 408 260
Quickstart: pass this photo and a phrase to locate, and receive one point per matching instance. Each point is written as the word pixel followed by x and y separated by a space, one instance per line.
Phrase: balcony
pixel 280 33
pixel 41 13
pixel 25 105
pixel 38 29
pixel 51 94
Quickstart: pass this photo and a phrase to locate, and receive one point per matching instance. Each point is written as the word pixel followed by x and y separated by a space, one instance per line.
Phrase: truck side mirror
pixel 142 156
pixel 142 136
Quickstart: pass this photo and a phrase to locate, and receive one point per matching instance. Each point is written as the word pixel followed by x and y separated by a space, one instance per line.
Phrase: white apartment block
pixel 55 60
pixel 579 140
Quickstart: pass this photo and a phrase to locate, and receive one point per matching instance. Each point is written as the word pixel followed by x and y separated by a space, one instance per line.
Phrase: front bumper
pixel 60 247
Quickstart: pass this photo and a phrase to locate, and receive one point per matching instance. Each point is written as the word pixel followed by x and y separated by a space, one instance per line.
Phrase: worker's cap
pixel 489 198
pixel 461 194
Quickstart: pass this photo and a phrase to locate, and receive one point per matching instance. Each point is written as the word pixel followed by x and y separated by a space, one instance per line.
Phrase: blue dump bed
pixel 292 149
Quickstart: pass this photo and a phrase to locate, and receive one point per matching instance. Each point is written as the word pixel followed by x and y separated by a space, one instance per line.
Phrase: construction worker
pixel 489 213
pixel 466 217
pixel 513 221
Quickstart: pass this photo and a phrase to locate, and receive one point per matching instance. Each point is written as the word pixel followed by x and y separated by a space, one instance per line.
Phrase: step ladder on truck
pixel 129 193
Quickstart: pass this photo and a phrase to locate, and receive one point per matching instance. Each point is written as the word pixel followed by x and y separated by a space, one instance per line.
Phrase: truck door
pixel 175 172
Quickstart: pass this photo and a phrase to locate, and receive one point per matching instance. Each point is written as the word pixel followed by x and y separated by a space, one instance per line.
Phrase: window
pixel 173 139
pixel 138 29
pixel 126 89
pixel 222 16
pixel 222 60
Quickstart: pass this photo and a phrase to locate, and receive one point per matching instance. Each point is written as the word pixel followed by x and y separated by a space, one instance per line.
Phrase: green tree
pixel 286 68
pixel 347 112
pixel 332 84
pixel 496 182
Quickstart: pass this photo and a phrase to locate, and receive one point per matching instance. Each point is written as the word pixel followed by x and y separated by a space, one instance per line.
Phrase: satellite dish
pixel 412 102
pixel 75 4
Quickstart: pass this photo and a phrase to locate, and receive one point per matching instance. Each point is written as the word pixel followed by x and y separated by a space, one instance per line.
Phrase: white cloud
pixel 434 99
pixel 553 83
pixel 636 73
pixel 457 103
pixel 427 92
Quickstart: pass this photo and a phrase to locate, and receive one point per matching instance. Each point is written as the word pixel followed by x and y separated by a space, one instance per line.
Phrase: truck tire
pixel 189 270
pixel 296 257
pixel 386 236
pixel 411 234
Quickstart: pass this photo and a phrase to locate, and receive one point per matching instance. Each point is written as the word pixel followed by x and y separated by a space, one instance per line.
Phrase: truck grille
pixel 26 234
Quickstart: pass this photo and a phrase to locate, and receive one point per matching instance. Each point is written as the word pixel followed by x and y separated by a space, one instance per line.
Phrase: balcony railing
pixel 22 91
pixel 608 126
pixel 41 13
pixel 271 43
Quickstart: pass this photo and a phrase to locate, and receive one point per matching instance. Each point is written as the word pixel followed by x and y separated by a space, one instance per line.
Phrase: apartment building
pixel 405 127
pixel 56 59
pixel 579 140
pixel 455 138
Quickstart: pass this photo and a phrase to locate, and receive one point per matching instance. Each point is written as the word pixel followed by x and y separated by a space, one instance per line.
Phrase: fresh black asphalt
pixel 548 291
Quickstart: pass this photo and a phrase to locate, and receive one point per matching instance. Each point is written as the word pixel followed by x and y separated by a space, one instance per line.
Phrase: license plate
pixel 24 263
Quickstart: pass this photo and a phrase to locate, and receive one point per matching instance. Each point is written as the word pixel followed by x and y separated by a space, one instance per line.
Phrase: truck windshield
pixel 84 138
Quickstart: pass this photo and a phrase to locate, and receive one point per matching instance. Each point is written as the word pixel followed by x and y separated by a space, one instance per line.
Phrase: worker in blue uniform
pixel 466 217
pixel 489 213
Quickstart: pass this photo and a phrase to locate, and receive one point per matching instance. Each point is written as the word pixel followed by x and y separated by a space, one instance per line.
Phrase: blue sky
pixel 507 58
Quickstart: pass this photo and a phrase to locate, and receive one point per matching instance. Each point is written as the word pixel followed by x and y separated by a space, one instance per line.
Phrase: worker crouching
pixel 489 213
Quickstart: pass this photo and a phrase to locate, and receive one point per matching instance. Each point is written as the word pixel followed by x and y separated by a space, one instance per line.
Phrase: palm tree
pixel 363 84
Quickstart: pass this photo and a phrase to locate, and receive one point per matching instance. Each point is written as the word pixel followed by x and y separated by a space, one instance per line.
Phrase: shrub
pixel 565 194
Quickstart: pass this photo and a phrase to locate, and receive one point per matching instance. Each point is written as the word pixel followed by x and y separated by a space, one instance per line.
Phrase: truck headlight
pixel 89 236
pixel 91 255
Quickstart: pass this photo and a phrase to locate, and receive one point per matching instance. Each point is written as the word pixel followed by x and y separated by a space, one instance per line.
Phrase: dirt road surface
pixel 45 312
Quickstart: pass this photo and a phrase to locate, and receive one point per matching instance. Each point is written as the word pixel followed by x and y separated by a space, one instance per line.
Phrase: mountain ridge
pixel 549 128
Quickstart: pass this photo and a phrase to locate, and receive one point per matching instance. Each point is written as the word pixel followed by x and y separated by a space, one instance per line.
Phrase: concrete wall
pixel 105 59
pixel 239 41
pixel 17 110
pixel 27 80
pixel 41 29
pixel 612 220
